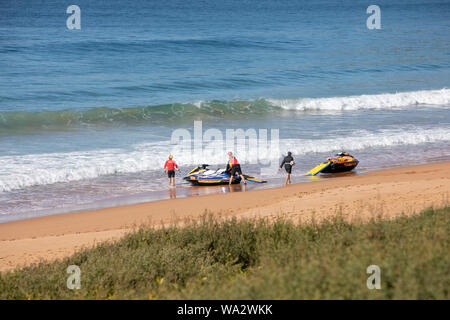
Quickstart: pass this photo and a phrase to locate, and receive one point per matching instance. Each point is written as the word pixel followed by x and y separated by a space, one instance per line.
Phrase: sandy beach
pixel 388 193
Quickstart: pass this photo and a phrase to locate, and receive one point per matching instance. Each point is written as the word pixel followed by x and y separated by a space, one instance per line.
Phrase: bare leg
pixel 231 180
pixel 243 179
pixel 288 179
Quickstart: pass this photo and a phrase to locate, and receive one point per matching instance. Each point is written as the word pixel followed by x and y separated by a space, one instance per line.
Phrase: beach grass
pixel 255 259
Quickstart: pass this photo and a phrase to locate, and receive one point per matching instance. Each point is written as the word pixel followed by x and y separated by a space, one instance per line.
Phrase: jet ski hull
pixel 211 181
pixel 343 162
pixel 201 176
pixel 340 167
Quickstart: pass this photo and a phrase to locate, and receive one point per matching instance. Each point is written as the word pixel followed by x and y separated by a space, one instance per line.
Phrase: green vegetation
pixel 255 259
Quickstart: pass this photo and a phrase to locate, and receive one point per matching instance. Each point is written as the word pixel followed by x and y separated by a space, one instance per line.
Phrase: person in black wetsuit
pixel 288 163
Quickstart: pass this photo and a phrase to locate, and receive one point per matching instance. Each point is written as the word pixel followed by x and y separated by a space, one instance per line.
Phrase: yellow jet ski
pixel 341 162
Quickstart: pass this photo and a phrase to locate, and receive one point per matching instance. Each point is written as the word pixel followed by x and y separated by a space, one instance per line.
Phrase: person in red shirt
pixel 234 167
pixel 170 167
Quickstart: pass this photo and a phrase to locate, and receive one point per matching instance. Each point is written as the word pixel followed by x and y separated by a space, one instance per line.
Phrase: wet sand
pixel 387 193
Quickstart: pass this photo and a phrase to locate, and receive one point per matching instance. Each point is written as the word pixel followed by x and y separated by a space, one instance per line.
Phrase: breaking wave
pixel 375 101
pixel 17 172
pixel 216 109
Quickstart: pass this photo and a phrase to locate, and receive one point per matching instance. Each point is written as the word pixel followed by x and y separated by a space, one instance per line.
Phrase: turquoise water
pixel 86 116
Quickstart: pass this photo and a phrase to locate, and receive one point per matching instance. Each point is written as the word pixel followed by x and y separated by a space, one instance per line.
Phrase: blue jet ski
pixel 202 176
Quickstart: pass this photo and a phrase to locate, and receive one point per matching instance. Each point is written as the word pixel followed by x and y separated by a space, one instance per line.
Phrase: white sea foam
pixel 364 140
pixel 376 101
pixel 17 172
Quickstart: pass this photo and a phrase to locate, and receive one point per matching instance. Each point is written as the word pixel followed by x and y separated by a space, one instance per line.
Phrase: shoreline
pixel 184 190
pixel 386 192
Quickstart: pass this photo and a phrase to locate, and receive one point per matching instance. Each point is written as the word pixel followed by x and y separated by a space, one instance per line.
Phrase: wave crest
pixel 216 109
pixel 17 172
pixel 375 101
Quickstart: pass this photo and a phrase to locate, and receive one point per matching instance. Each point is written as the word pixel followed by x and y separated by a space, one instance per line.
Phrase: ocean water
pixel 87 116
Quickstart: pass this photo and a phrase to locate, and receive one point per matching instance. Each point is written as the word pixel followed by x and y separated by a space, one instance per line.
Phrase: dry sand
pixel 389 193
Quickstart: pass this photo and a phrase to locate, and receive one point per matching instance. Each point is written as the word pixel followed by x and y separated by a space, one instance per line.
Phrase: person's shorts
pixel 288 168
pixel 236 168
pixel 171 173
